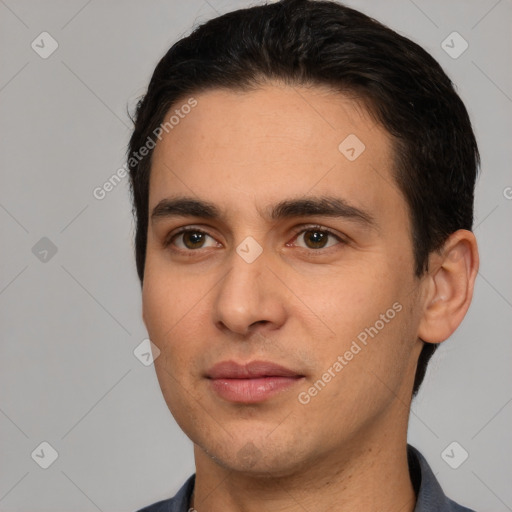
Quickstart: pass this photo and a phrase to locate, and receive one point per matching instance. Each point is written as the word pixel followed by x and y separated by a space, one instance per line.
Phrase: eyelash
pixel 299 231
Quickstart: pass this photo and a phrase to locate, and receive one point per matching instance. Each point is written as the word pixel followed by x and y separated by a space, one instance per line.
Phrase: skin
pixel 298 304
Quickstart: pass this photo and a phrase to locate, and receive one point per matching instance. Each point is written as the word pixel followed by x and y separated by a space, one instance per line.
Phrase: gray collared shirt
pixel 430 496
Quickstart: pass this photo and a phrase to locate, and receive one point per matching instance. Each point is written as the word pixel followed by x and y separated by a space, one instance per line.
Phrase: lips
pixel 253 382
pixel 252 370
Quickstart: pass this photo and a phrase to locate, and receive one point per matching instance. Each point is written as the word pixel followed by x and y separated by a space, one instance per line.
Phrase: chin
pixel 256 455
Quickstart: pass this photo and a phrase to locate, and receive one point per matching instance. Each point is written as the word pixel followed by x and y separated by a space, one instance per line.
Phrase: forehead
pixel 278 141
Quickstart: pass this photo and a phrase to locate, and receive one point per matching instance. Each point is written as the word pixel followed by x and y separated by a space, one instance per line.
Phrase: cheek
pixel 156 308
pixel 170 328
pixel 366 316
pixel 172 303
pixel 347 300
pixel 165 295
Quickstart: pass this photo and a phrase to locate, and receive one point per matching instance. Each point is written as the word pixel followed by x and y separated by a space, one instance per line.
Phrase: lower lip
pixel 252 390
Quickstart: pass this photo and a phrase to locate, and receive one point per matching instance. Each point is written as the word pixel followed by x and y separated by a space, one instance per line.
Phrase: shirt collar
pixel 429 495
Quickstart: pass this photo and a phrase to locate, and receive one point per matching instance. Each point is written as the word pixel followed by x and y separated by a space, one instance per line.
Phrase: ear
pixel 449 286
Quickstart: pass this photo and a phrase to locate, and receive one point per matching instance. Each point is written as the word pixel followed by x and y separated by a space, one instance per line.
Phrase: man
pixel 303 183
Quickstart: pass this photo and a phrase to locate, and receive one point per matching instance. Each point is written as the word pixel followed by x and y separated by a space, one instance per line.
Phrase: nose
pixel 249 296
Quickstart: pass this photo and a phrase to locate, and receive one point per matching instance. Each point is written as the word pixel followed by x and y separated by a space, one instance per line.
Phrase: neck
pixel 371 472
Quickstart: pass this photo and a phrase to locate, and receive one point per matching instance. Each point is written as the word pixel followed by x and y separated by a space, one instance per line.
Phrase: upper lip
pixel 250 370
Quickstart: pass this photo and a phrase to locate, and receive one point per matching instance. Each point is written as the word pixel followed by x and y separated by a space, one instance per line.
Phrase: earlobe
pixel 450 286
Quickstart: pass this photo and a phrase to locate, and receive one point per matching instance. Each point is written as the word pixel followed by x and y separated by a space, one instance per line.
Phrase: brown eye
pixel 191 239
pixel 317 238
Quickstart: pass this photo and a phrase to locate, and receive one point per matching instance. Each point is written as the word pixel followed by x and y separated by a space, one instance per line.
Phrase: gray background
pixel 70 323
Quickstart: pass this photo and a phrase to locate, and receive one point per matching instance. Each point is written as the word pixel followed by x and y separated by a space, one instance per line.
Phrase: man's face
pixel 251 286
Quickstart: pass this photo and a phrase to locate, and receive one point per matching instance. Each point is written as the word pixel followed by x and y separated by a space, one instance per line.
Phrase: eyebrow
pixel 304 207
